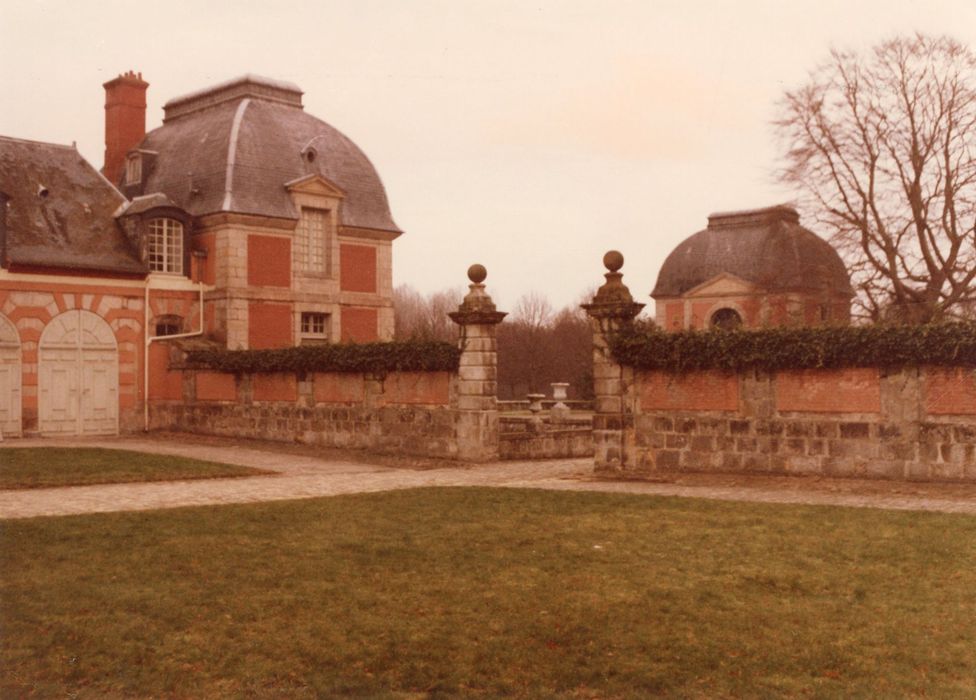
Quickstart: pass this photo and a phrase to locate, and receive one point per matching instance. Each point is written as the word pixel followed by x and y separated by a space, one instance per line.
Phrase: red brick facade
pixel 357 268
pixel 359 325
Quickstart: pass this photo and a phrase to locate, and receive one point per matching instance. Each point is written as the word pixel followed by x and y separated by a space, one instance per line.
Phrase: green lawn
pixel 448 592
pixel 44 467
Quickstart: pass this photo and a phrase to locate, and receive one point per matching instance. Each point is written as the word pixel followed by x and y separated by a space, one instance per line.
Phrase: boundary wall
pixel 910 423
pixel 913 423
pixel 405 412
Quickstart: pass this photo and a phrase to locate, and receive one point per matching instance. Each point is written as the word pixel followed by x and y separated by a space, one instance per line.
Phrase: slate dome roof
pixel 235 146
pixel 767 247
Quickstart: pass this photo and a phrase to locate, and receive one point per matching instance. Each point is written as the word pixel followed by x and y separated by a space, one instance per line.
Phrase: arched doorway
pixel 10 377
pixel 78 376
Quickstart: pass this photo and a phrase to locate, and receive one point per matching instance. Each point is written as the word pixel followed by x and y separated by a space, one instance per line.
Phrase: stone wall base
pixel 520 438
pixel 427 432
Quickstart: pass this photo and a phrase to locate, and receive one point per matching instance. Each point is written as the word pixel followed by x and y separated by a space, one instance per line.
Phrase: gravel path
pixel 300 475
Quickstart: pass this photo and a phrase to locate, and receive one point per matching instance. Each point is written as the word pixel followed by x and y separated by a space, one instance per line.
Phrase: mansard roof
pixel 59 211
pixel 767 247
pixel 233 147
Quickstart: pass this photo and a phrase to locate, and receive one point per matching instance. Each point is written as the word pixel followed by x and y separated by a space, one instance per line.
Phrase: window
pixel 169 325
pixel 315 327
pixel 726 319
pixel 311 241
pixel 164 246
pixel 133 169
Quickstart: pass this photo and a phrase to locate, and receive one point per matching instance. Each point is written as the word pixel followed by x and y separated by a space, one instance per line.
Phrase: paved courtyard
pixel 300 474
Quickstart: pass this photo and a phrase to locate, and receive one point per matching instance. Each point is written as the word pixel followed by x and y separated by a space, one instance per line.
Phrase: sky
pixel 529 136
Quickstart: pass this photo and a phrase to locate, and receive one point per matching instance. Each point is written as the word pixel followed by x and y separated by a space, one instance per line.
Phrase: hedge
pixel 798 348
pixel 375 358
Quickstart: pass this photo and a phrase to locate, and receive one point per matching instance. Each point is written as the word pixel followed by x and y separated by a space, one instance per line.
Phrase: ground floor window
pixel 315 327
pixel 169 325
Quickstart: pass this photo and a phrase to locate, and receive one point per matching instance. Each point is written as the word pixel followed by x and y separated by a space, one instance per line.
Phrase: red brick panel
pixel 336 387
pixel 852 390
pixel 427 388
pixel 268 261
pixel 164 384
pixel 216 386
pixel 268 325
pixel 359 325
pixel 950 391
pixel 357 268
pixel 695 391
pixel 674 315
pixel 274 387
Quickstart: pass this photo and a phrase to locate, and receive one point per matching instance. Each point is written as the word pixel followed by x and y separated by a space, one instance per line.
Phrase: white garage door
pixel 78 376
pixel 10 394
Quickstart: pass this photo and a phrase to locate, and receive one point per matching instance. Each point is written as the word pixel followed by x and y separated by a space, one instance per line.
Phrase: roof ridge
pixel 71 147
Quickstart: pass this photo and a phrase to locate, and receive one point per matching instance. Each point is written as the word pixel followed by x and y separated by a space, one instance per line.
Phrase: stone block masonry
pixel 909 423
pixel 912 423
pixel 386 414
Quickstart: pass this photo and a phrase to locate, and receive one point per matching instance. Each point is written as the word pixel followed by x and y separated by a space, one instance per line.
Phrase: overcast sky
pixel 527 136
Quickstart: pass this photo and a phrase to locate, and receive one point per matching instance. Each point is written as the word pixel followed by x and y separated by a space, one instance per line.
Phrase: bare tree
pixel 424 318
pixel 537 346
pixel 883 146
pixel 533 310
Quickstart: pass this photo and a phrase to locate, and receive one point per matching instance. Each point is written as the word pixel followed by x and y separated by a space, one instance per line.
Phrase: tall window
pixel 164 246
pixel 311 241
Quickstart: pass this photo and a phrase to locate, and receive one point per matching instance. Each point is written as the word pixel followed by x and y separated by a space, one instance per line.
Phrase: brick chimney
pixel 125 120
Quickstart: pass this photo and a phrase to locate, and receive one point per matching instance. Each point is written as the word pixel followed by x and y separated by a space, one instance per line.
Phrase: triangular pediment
pixel 315 184
pixel 725 284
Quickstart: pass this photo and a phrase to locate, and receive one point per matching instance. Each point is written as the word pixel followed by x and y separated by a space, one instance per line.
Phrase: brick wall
pixel 865 422
pixel 407 413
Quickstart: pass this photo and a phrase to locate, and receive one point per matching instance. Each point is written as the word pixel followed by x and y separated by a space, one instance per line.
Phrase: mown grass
pixel 45 467
pixel 467 592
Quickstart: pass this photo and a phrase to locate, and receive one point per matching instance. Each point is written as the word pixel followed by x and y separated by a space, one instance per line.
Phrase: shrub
pixel 798 348
pixel 375 358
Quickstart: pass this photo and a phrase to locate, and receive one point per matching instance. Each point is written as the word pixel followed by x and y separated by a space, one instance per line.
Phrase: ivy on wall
pixel 797 348
pixel 376 358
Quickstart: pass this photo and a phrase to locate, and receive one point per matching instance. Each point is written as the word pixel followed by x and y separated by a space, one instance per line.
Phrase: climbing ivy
pixel 376 358
pixel 798 348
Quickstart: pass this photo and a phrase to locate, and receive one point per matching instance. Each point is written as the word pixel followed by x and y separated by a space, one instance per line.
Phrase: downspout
pixel 151 338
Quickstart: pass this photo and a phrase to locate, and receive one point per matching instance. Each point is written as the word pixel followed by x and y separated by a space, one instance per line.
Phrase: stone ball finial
pixel 477 273
pixel 613 260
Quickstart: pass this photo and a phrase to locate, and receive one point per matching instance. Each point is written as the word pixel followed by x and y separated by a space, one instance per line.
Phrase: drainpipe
pixel 149 341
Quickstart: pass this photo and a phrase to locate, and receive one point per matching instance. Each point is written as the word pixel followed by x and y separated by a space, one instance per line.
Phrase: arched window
pixel 726 319
pixel 164 246
pixel 170 324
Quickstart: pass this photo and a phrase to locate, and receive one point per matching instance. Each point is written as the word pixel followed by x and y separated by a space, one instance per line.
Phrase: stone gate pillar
pixel 477 320
pixel 612 309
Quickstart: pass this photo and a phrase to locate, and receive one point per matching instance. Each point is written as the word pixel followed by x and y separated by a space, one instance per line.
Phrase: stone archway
pixel 78 376
pixel 10 379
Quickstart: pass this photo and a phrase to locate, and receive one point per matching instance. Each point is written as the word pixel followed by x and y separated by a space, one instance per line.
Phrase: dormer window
pixel 164 246
pixel 133 169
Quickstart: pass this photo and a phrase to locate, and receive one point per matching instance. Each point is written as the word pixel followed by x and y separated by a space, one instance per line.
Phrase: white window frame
pixel 314 325
pixel 311 245
pixel 164 246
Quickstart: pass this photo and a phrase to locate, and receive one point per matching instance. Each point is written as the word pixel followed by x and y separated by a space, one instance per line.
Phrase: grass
pixel 490 592
pixel 45 467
